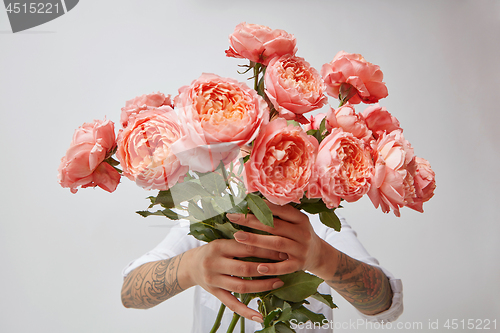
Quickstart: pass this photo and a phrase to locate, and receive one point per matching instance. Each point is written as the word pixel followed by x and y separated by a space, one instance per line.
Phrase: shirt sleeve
pixel 347 242
pixel 176 242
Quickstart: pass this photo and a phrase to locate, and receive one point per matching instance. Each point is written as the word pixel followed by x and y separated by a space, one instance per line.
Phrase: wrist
pixel 327 261
pixel 185 271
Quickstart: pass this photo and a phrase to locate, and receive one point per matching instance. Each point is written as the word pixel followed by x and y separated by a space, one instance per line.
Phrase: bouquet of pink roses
pixel 222 147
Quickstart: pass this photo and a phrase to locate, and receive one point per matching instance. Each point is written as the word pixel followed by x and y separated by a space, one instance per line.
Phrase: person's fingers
pixel 236 306
pixel 270 242
pixel 243 286
pixel 281 228
pixel 288 213
pixel 233 249
pixel 233 267
pixel 279 268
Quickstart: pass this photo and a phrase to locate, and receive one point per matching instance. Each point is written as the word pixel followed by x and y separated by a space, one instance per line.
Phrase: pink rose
pixel 343 169
pixel 281 162
pixel 144 149
pixel 219 115
pixel 424 182
pixel 294 87
pixel 142 103
pixel 379 120
pixel 354 77
pixel 392 184
pixel 84 163
pixel 259 43
pixel 314 122
pixel 346 118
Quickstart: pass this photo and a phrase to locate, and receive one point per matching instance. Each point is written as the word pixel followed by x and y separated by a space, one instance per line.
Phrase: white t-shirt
pixel 206 306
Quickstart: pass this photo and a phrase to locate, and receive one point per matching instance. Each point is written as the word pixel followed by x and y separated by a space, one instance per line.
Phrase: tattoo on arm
pixel 151 284
pixel 364 286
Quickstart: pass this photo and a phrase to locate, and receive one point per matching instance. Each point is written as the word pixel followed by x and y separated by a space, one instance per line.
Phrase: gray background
pixel 61 254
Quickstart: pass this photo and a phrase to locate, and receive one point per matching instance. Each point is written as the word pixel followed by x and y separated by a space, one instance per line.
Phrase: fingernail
pixel 262 269
pixel 233 217
pixel 241 236
pixel 257 319
pixel 283 255
pixel 278 284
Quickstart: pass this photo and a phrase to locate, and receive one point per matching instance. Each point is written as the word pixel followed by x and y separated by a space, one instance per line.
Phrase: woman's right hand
pixel 215 267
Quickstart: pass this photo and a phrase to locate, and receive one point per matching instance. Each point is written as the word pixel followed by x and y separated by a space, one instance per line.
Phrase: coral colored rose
pixel 352 75
pixel 259 43
pixel 219 115
pixel 281 162
pixel 424 182
pixel 142 103
pixel 294 87
pixel 314 122
pixel 144 149
pixel 392 184
pixel 83 165
pixel 343 169
pixel 346 118
pixel 379 120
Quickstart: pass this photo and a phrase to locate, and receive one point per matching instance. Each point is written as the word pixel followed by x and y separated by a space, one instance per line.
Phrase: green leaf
pixel 213 182
pixel 281 327
pixel 166 212
pixel 181 192
pixel 286 314
pixel 314 207
pixel 210 212
pixel 223 203
pixel 298 286
pixel 171 214
pixel 240 208
pixel 187 191
pixel 324 298
pixel 271 316
pixel 269 329
pixel 309 200
pixel 163 198
pixel 315 133
pixel 204 232
pixel 259 208
pixel 311 132
pixel 195 211
pixel 242 164
pixel 226 229
pixel 146 213
pixel 152 199
pixel 188 177
pixel 303 314
pixel 322 127
pixel 330 219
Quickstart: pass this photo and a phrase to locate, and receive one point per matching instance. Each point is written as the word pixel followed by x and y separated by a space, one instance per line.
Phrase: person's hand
pixel 215 268
pixel 292 234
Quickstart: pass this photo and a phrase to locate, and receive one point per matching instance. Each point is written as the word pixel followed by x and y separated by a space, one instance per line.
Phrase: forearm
pixel 154 282
pixel 365 286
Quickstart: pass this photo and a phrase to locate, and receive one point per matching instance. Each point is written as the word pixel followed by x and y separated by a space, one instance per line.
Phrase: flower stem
pixel 219 317
pixel 256 72
pixel 242 322
pixel 245 299
pixel 232 325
